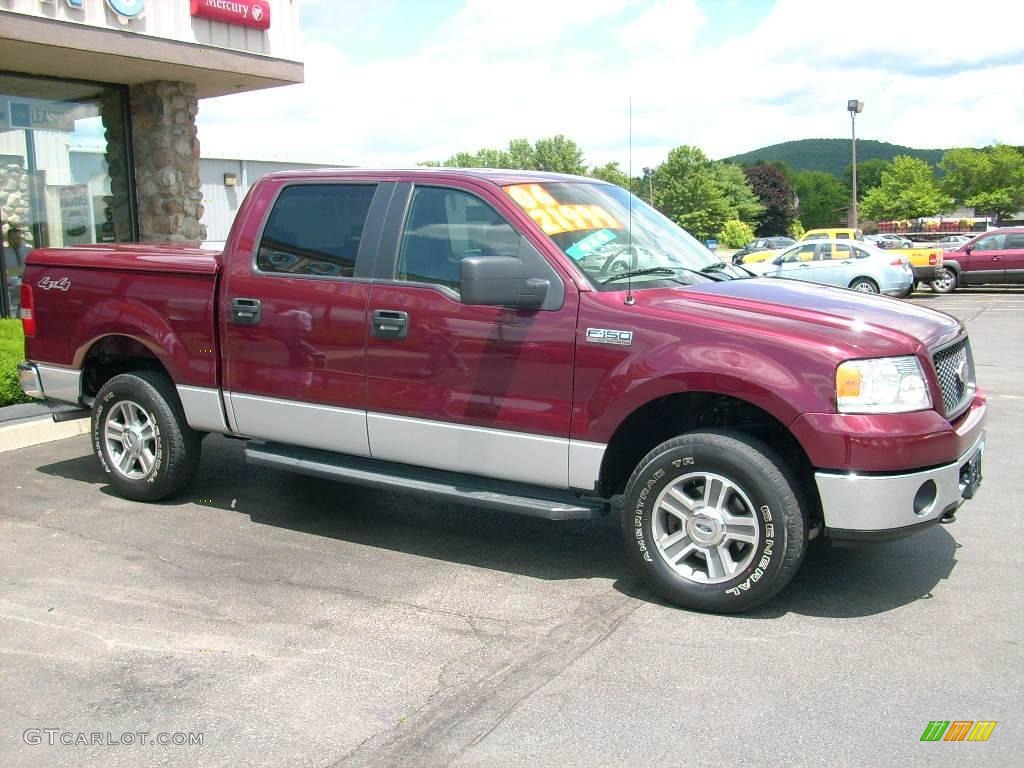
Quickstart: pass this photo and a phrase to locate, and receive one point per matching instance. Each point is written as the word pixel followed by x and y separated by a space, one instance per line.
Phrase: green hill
pixel 831 155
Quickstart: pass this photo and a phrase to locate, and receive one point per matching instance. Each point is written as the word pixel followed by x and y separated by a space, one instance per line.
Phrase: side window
pixel 990 243
pixel 841 252
pixel 806 252
pixel 816 236
pixel 1014 242
pixel 444 227
pixel 842 235
pixel 315 229
pixel 860 253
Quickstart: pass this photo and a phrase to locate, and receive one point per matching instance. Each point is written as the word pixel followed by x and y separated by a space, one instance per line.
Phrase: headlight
pixel 882 385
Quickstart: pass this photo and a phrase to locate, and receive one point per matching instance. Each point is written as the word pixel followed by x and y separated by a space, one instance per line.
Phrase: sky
pixel 396 82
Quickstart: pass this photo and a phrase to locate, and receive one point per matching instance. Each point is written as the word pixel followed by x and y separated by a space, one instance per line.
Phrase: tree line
pixel 734 203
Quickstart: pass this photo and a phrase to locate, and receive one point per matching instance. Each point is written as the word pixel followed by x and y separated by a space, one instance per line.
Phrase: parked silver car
pixel 859 266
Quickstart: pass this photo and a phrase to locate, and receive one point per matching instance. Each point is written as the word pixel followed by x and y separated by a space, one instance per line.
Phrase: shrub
pixel 12 352
pixel 796 229
pixel 735 234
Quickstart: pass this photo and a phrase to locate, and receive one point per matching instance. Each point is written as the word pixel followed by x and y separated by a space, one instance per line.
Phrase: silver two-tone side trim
pixel 203 408
pixel 61 384
pixel 517 456
pixel 585 464
pixel 314 426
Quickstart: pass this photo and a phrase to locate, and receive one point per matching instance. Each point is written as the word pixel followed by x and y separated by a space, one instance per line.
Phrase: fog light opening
pixel 924 499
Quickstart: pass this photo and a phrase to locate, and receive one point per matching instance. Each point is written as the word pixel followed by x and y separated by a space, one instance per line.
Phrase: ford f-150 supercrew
pixel 531 342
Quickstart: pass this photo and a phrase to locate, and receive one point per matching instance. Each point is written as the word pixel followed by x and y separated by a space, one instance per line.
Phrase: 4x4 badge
pixel 609 336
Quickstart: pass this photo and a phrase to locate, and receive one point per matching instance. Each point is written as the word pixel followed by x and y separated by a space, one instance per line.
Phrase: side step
pixel 475 491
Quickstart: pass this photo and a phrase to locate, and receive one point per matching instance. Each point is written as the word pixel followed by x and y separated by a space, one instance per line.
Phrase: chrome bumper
pixel 50 382
pixel 886 506
pixel 28 378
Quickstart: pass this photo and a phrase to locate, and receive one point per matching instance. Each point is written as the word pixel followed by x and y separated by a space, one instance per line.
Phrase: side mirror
pixel 500 281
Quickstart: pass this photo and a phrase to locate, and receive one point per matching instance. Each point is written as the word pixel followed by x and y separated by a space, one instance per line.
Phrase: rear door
pixel 1013 257
pixel 832 264
pixel 475 389
pixel 293 316
pixel 985 261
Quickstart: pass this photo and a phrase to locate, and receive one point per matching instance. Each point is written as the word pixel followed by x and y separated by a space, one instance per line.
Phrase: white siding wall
pixel 171 19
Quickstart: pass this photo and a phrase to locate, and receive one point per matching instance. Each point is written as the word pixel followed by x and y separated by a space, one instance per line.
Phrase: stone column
pixel 166 152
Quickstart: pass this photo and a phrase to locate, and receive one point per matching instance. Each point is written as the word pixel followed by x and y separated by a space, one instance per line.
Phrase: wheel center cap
pixel 705 528
pixel 129 440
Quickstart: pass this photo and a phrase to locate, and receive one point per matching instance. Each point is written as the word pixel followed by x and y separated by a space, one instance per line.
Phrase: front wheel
pixel 864 285
pixel 712 522
pixel 945 282
pixel 141 437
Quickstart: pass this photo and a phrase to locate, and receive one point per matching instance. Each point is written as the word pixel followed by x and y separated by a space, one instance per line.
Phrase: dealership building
pixel 123 78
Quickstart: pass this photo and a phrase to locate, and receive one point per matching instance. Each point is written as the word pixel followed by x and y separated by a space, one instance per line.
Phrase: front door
pixel 476 389
pixel 985 261
pixel 293 317
pixel 798 262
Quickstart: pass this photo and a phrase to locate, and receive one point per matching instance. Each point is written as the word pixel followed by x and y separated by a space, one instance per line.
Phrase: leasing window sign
pixel 37 115
pixel 244 13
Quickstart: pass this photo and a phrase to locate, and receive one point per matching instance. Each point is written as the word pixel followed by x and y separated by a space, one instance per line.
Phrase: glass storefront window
pixel 63 170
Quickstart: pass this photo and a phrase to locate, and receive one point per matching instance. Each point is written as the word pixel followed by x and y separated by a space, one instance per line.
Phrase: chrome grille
pixel 956 376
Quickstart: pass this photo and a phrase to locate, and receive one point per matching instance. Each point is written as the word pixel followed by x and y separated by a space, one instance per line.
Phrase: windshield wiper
pixel 657 271
pixel 719 266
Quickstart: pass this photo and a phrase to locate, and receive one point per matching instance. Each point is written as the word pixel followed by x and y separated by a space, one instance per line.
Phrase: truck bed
pixel 156 299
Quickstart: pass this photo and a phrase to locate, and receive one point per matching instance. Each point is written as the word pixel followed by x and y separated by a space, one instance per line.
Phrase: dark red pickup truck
pixel 530 342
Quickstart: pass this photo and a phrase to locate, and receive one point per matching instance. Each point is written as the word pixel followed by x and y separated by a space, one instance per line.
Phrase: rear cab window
pixel 314 230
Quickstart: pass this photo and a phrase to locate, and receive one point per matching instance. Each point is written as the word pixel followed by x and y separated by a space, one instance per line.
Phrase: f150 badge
pixel 609 336
pixel 48 282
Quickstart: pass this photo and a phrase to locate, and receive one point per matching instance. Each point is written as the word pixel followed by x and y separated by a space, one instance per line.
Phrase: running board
pixel 548 503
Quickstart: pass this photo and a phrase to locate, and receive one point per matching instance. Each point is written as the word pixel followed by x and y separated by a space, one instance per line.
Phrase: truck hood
pixel 851 324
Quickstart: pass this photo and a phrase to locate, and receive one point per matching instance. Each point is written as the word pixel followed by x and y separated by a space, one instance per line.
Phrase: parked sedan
pixel 858 266
pixel 761 245
pixel 951 242
pixel 889 241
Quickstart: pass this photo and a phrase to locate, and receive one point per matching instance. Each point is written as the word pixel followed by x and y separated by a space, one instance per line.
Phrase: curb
pixel 38 431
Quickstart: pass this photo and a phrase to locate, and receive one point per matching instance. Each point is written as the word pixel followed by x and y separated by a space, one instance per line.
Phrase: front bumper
pixel 858 506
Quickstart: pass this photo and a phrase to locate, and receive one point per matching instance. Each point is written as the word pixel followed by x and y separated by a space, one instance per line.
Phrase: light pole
pixel 854 107
pixel 649 173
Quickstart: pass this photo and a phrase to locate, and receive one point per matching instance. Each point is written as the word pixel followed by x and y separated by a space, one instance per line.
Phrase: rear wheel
pixel 141 437
pixel 712 522
pixel 864 285
pixel 945 282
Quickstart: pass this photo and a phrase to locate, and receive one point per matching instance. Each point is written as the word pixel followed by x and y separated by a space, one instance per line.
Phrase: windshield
pixel 590 223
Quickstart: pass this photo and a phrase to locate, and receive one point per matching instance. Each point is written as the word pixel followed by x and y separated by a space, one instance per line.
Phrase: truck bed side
pixel 95 304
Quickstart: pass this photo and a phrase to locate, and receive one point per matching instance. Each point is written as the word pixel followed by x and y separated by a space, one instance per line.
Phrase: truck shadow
pixel 832 583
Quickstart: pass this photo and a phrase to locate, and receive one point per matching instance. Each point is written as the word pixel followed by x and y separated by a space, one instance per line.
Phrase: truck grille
pixel 955 371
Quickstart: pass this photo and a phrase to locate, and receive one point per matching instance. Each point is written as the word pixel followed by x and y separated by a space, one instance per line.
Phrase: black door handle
pixel 245 311
pixel 390 324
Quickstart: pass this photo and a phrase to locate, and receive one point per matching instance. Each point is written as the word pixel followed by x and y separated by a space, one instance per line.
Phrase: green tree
pixel 735 234
pixel 521 155
pixel 823 200
pixel 686 190
pixel 737 190
pixel 869 175
pixel 559 155
pixel 990 180
pixel 612 173
pixel 908 190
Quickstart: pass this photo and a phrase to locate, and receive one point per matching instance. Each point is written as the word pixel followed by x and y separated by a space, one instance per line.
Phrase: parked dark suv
pixel 993 257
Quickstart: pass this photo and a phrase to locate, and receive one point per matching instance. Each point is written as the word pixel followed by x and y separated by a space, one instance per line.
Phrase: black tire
pixel 948 282
pixel 864 285
pixel 176 447
pixel 781 521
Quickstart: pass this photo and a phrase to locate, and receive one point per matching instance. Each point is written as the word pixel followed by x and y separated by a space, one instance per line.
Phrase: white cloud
pixel 495 71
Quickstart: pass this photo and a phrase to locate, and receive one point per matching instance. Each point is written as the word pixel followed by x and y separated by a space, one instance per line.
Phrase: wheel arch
pixel 669 415
pixel 116 353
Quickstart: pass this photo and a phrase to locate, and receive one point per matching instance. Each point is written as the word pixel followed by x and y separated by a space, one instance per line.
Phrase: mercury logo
pixel 257 13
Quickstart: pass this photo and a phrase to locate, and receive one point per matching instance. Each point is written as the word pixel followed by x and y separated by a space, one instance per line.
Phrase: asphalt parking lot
pixel 299 622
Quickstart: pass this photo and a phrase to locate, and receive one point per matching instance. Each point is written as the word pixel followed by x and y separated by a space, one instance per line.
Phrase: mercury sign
pixel 244 13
